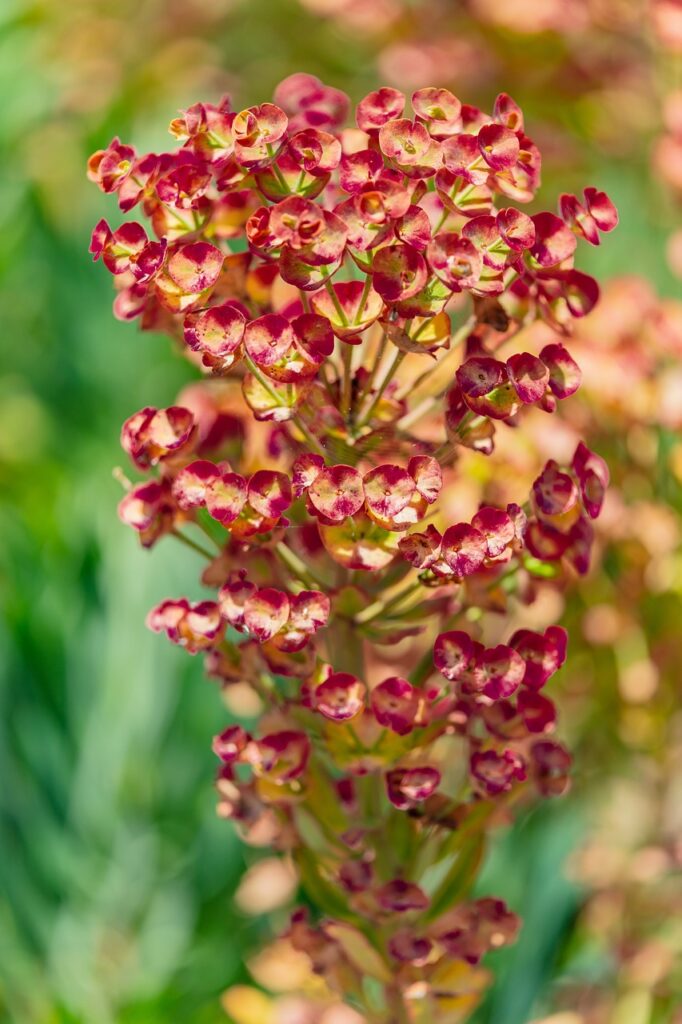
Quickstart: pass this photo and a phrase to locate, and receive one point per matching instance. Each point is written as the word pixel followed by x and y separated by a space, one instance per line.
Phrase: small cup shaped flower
pixel 359 171
pixel 496 772
pixel 226 497
pixel 378 108
pixel 421 549
pixel 255 131
pixel 455 260
pixel 486 387
pixel 269 493
pixel 406 787
pixel 439 109
pixel 368 222
pixel 109 168
pixel 398 272
pixel 550 765
pixel 408 948
pixel 464 549
pixel 217 334
pixel 587 220
pixel 499 146
pixel 119 249
pixel 149 509
pixel 554 242
pixel 396 704
pixel 462 157
pixel 309 611
pixel 356 875
pixel 543 654
pixel 564 373
pixel 304 470
pixel 336 493
pixel 315 152
pixel 537 712
pixel 408 146
pixel 194 267
pixel 315 235
pixel 196 627
pixel 499 671
pixel 554 492
pixel 266 612
pixel 230 744
pixel 401 897
pixel 427 475
pixel 593 478
pixel 340 697
pixel 280 757
pixel 529 375
pixel 233 596
pixel 516 229
pixel 388 490
pixel 497 527
pixel 153 435
pixel 453 654
pixel 352 310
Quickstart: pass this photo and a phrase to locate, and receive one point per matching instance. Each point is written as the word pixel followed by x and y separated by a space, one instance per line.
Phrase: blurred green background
pixel 116 878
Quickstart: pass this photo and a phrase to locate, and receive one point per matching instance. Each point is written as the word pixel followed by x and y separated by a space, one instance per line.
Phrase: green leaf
pixel 460 879
pixel 360 951
pixel 326 896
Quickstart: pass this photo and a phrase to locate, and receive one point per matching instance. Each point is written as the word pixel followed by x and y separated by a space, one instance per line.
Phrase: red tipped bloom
pixel 281 757
pixel 340 697
pixel 564 372
pixel 388 490
pixel 336 493
pixel 543 654
pixel 395 704
pixel 496 773
pixel 409 786
pixel 400 896
pixel 230 744
pixel 398 272
pixel 378 108
pixel 464 548
pixel 453 653
pixel 153 435
pixel 265 236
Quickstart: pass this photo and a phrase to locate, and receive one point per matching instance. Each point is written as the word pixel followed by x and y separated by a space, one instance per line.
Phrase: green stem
pixel 262 379
pixel 399 356
pixel 375 368
pixel 363 300
pixel 444 216
pixel 423 669
pixel 188 542
pixel 309 436
pixel 324 377
pixel 347 388
pixel 460 336
pixel 397 1011
pixel 298 567
pixel 379 608
pixel 276 171
pixel 345 647
pixel 335 301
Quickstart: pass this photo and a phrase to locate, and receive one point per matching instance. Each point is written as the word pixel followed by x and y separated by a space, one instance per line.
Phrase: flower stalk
pixel 402 718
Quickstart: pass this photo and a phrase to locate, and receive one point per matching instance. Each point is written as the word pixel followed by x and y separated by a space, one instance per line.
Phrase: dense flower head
pixel 345 294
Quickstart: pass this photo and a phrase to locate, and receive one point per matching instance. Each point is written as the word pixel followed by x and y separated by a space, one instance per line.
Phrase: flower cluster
pixel 323 278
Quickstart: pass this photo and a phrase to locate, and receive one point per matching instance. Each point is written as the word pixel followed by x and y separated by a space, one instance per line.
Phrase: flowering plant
pixel 323 278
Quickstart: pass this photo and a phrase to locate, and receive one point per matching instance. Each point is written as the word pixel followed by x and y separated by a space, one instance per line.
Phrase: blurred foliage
pixel 116 877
